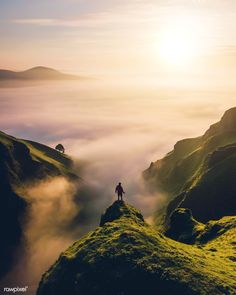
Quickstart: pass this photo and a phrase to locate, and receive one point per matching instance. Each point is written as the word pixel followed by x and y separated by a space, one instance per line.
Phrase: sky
pixel 118 37
pixel 164 70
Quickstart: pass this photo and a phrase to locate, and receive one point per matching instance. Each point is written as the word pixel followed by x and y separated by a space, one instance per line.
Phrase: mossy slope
pixel 22 162
pixel 127 256
pixel 199 173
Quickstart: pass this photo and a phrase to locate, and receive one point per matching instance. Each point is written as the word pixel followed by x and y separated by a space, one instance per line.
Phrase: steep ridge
pixel 199 173
pixel 22 162
pixel 127 256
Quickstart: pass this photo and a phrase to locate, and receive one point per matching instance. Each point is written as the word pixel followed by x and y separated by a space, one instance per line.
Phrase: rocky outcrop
pixel 127 256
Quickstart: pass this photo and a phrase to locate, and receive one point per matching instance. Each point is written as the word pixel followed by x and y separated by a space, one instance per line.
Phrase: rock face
pixel 20 163
pixel 127 256
pixel 199 173
pixel 183 227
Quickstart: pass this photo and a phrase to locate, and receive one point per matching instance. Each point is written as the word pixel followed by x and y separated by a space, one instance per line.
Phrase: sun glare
pixel 176 48
pixel 179 42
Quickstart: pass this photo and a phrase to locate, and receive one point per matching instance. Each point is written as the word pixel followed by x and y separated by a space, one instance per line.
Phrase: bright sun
pixel 176 48
pixel 179 42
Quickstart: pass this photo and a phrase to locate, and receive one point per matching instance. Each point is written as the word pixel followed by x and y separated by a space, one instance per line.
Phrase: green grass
pixel 39 153
pixel 127 256
pixel 191 177
pixel 47 155
pixel 23 164
pixel 6 139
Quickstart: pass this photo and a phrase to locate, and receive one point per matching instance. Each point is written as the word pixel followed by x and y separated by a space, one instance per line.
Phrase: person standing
pixel 119 191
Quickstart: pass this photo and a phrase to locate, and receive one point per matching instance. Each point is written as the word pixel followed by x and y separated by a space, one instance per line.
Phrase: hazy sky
pixel 119 36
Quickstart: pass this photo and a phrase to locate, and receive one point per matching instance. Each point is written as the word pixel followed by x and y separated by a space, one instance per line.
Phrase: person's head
pixel 119 183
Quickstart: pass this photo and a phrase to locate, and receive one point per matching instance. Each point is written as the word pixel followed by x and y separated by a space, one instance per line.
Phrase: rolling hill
pixel 199 174
pixel 36 73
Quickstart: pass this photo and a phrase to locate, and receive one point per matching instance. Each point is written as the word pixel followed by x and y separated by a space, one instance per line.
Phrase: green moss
pixel 120 209
pixel 127 256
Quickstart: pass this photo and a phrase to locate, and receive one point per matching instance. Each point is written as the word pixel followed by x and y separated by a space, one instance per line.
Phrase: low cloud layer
pixel 117 128
pixel 115 132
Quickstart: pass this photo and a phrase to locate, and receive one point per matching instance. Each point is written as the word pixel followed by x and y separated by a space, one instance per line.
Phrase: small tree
pixel 60 148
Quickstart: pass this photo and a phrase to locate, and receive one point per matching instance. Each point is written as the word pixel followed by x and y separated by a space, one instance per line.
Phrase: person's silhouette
pixel 119 191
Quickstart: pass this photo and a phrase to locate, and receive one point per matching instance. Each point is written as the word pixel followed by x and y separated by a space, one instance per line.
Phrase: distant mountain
pixel 36 73
pixel 22 162
pixel 199 174
pixel 125 255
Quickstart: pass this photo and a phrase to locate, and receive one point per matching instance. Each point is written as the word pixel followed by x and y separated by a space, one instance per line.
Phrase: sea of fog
pixel 115 129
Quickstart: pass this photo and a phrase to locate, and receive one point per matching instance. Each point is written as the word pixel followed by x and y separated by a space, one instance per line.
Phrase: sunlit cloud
pixel 91 20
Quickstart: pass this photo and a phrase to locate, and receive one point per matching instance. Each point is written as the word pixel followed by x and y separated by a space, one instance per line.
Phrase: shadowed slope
pixel 199 173
pixel 22 162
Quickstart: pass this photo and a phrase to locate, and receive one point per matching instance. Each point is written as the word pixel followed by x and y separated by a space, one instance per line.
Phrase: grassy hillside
pixel 199 173
pixel 21 162
pixel 46 159
pixel 127 256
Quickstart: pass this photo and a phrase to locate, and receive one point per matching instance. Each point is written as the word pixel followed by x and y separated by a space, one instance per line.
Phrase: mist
pixel 46 233
pixel 114 130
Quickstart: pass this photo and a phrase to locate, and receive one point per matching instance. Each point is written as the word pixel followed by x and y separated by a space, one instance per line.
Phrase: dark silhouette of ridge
pixel 36 73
